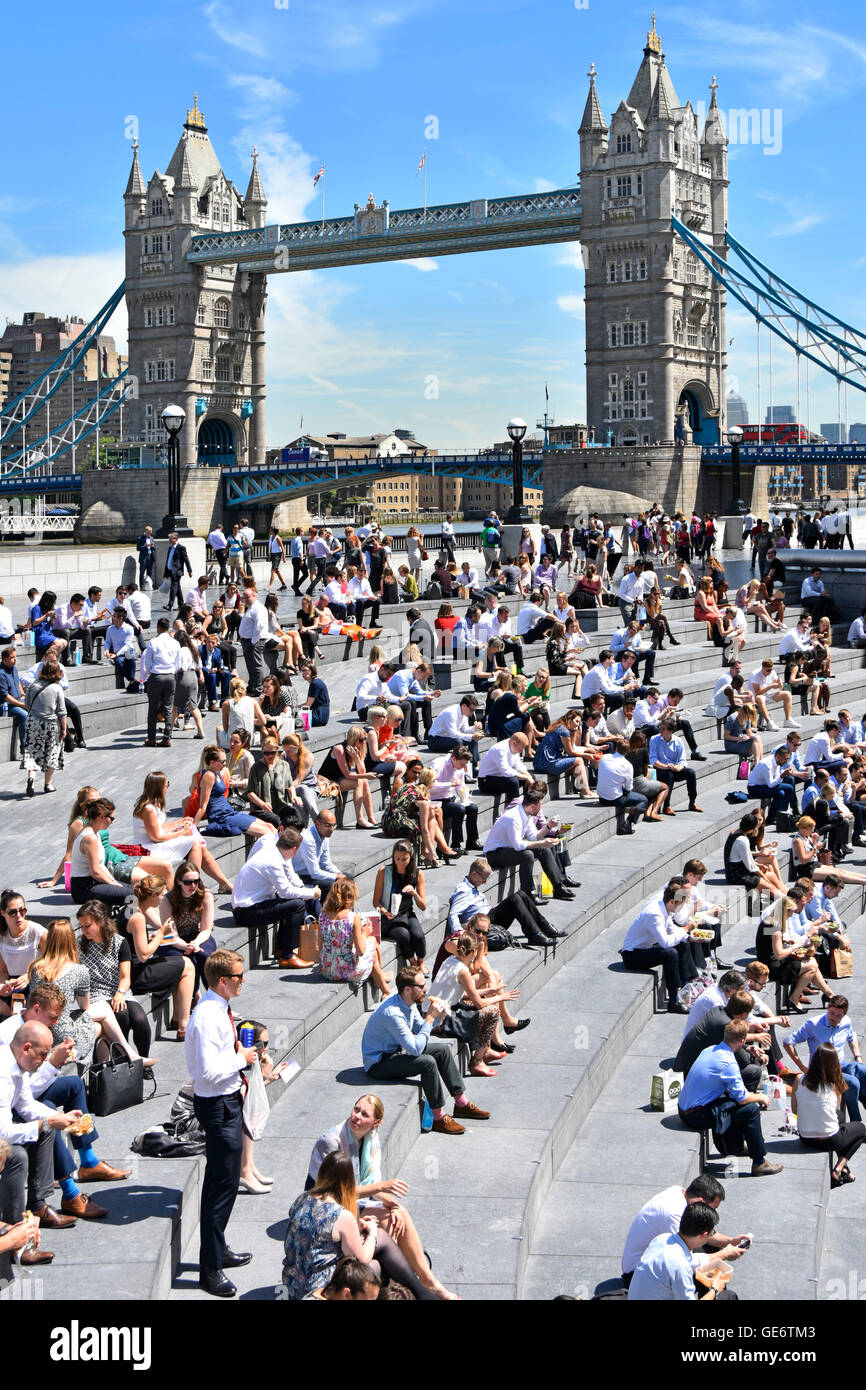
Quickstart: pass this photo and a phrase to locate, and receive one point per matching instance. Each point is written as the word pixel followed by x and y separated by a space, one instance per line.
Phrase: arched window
pixel 156 207
pixel 221 313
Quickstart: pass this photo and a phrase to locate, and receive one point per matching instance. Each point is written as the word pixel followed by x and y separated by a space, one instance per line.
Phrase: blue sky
pixel 352 85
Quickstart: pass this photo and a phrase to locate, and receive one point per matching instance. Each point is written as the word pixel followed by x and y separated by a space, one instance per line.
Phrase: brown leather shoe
pixel 84 1207
pixel 447 1126
pixel 295 963
pixel 36 1257
pixel 103 1172
pixel 470 1111
pixel 53 1219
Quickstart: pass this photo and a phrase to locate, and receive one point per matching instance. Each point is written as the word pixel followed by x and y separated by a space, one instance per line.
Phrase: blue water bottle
pixel 247 1035
pixel 4 709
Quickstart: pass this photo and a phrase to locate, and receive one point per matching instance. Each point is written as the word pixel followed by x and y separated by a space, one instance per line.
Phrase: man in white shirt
pixel 621 721
pixel 748 526
pixel 7 621
pixel 36 1123
pixel 247 535
pixel 715 996
pixel 70 623
pixel 502 629
pixel 448 538
pixel 120 648
pixel 457 727
pixel 253 632
pixel 215 1060
pixel 766 684
pixel 197 597
pixel 857 631
pixel 450 791
pixel 515 838
pixel 655 939
pixel 138 607
pixel 220 547
pixel 631 592
pixel 615 783
pixel 267 889
pixel 825 750
pixel 815 598
pixel 532 622
pixel 766 784
pixel 600 680
pixel 339 600
pixel 798 639
pixel 372 689
pixel 661 1216
pixel 160 661
pixel 501 770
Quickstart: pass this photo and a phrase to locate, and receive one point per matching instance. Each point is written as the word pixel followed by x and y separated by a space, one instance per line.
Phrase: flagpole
pixel 323 202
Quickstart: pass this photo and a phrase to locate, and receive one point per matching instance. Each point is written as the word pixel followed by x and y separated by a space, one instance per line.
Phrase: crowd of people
pixel 145 919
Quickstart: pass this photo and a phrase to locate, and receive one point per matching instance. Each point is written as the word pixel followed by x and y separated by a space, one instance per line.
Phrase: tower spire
pixel 653 42
pixel 135 187
pixel 593 118
pixel 194 118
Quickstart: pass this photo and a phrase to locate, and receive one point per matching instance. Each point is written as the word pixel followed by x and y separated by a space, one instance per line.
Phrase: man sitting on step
pixel 715 1097
pixel 516 839
pixel 655 939
pixel 468 899
pixel 661 1215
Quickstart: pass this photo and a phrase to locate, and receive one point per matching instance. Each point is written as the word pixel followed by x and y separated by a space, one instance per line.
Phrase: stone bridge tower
pixel 196 333
pixel 655 318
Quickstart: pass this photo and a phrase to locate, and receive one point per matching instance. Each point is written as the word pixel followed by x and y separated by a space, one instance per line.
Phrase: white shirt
pixel 487 627
pixel 161 656
pixel 7 623
pixel 371 691
pixel 247 535
pixel 819 749
pixel 360 587
pixel 500 761
pixel 212 1058
pixel 216 540
pixel 659 1216
pixel 514 830
pixel 451 723
pixel 529 615
pixel 266 874
pixel 764 682
pixel 647 713
pixel 333 592
pixel 138 604
pixel 615 776
pixel 630 587
pixel 450 778
pixel 856 632
pixel 766 772
pixel 712 998
pixel 16 1094
pixel 254 624
pixel 197 600
pixel 467 579
pixel 598 680
pixel 795 641
pixel 652 927
pixel 618 724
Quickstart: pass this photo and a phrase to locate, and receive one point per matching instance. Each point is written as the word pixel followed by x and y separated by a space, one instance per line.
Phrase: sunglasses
pixel 16 911
pixel 185 881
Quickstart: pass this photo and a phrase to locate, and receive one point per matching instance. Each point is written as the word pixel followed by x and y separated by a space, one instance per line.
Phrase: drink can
pixel 247 1035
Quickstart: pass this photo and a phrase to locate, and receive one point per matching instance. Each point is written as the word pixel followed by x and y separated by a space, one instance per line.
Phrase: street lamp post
pixel 735 439
pixel 517 515
pixel 173 418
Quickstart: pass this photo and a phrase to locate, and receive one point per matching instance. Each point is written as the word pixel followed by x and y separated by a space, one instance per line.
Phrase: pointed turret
pixel 714 126
pixel 185 180
pixel 135 187
pixel 592 130
pixel 255 201
pixel 660 107
pixel 651 71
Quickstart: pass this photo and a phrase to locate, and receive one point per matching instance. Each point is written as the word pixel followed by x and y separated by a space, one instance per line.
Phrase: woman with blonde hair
pixel 174 840
pixel 350 951
pixel 380 758
pixel 304 788
pixel 239 711
pixel 357 1139
pixel 287 638
pixel 414 546
pixel 346 765
pixel 84 1020
pixel 748 599
pixel 161 962
pixel 789 953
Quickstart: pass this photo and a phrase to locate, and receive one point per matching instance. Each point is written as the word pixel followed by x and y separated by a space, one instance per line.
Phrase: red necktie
pixel 244 1078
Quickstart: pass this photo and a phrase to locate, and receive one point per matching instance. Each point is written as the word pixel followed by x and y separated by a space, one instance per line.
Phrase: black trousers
pixel 288 915
pixel 509 787
pixel 844 1143
pixel 363 603
pixel 407 934
pixel 76 634
pixel 174 591
pixel 677 963
pixel 220 1118
pixel 160 699
pixel 411 710
pixel 299 572
pixel 221 556
pixel 436 1067
pixel 519 907
pixel 454 813
pixel 670 775
pixel 526 859
pixel 74 715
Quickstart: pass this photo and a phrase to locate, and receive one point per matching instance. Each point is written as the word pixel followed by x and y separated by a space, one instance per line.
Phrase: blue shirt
pixel 313 859
pixel 394 1027
pixel 665 1272
pixel 404 686
pixel 667 753
pixel 713 1074
pixel 820 903
pixel 465 901
pixel 819 1030
pixel 10 683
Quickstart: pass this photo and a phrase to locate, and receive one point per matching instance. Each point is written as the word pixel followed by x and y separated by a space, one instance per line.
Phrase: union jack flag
pixel 422 163
pixel 320 175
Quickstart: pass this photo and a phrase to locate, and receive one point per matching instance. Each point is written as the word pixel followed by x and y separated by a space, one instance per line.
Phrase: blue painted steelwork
pixel 70 356
pixel 10 460
pixel 55 482
pixel 244 487
pixel 781 301
pixel 377 233
pixel 719 456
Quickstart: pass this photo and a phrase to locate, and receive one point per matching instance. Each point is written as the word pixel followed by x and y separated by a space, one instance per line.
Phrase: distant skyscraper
pixel 834 433
pixel 857 434
pixel 780 415
pixel 737 409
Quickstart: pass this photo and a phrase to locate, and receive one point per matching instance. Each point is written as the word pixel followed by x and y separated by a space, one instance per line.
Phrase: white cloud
pixel 543 186
pixel 572 304
pixel 799 225
pixel 65 285
pixel 422 263
pixel 222 24
pixel 262 91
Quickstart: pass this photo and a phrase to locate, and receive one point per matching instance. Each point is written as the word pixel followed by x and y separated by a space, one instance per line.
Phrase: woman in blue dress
pixel 214 805
pixel 559 753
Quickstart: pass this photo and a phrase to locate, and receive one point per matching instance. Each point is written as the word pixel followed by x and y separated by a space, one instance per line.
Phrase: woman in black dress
pixel 399 895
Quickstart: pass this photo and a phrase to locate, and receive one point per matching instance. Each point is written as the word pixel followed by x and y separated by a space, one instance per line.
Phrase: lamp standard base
pixel 175 521
pixel 518 516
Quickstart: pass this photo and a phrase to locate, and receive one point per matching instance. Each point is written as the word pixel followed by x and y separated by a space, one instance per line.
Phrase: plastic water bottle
pixel 247 1035
pixel 4 709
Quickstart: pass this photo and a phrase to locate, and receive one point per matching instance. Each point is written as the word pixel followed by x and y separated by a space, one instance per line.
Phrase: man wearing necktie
pixel 216 1062
pixel 176 562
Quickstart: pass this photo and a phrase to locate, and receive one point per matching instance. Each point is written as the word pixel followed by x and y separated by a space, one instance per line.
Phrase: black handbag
pixel 115 1084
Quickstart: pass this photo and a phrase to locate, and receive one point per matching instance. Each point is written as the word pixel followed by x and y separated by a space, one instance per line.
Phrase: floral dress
pixel 338 960
pixel 310 1249
pixel 400 820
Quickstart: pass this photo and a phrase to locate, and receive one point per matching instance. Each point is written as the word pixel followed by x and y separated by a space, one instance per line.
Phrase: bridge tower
pixel 196 333
pixel 655 321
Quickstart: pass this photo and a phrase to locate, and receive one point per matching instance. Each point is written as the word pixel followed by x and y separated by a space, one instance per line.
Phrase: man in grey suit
pixel 176 562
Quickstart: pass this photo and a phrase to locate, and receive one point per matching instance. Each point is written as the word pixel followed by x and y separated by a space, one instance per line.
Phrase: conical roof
pixel 714 126
pixel 135 187
pixel 255 191
pixel 195 159
pixel 593 117
pixel 660 108
pixel 185 177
